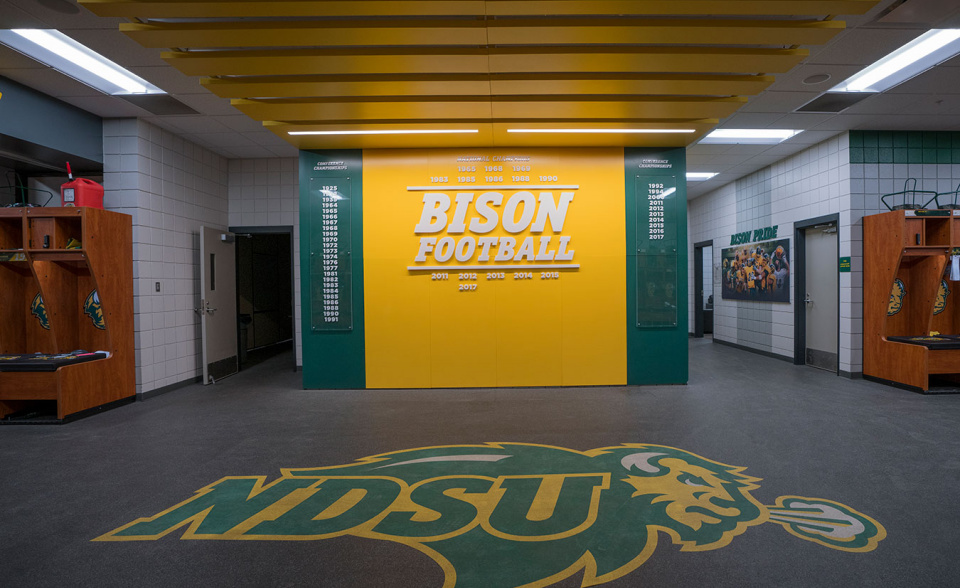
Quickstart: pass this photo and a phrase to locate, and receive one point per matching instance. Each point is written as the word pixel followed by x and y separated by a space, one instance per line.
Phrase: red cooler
pixel 82 192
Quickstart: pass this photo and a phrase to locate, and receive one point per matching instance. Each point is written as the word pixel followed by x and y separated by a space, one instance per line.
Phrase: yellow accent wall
pixel 425 331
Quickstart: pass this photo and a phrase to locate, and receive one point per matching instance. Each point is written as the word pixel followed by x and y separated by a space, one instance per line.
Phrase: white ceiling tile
pixel 284 150
pixel 803 120
pixel 793 81
pixel 253 152
pixel 51 82
pixel 864 46
pixel 939 80
pixel 169 79
pixel 195 124
pixel 700 148
pixel 807 138
pixel 105 106
pixel 905 104
pixel 751 120
pixel 778 102
pixel 208 103
pixel 241 122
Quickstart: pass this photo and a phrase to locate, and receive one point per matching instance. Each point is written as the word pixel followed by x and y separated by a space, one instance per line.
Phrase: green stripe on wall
pixel 332 359
pixel 656 355
pixel 937 147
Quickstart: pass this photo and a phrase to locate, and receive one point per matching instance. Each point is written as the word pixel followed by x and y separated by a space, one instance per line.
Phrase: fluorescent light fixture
pixel 388 132
pixel 700 176
pixel 65 55
pixel 917 56
pixel 749 136
pixel 608 131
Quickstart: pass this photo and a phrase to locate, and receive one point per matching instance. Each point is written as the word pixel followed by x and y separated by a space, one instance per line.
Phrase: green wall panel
pixel 656 216
pixel 331 269
pixel 939 147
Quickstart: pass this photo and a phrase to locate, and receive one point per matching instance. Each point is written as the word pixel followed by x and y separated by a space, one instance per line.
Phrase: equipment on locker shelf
pixel 81 192
pixel 910 198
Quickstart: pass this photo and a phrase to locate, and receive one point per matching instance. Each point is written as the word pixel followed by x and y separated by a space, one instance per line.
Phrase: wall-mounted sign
pixel 474 260
pixel 656 251
pixel 763 234
pixel 759 271
pixel 845 265
pixel 331 264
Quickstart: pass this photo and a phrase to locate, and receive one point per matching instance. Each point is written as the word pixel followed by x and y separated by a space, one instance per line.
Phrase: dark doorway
pixel 703 288
pixel 265 317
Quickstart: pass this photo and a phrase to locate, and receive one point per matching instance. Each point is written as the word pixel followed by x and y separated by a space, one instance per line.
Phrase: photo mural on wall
pixel 757 271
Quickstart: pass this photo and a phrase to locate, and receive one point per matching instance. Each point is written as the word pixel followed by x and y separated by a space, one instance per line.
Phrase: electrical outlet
pixel 158 286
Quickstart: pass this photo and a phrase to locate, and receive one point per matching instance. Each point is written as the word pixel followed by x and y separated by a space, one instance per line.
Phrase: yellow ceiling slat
pixel 474 33
pixel 613 59
pixel 678 7
pixel 650 60
pixel 294 8
pixel 617 110
pixel 330 8
pixel 321 111
pixel 370 86
pixel 293 87
pixel 676 85
pixel 303 34
pixel 667 32
pixel 484 109
pixel 262 63
pixel 488 64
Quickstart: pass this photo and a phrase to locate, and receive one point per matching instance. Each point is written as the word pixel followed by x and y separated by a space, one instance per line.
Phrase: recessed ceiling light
pixel 609 131
pixel 917 56
pixel 700 176
pixel 749 136
pixel 816 79
pixel 69 57
pixel 387 132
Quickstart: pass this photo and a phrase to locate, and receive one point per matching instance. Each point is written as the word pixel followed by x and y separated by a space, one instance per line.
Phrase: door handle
pixel 209 309
pixel 807 299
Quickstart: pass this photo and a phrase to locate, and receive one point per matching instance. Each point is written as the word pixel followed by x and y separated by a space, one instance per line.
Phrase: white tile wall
pixel 809 184
pixel 265 192
pixel 171 188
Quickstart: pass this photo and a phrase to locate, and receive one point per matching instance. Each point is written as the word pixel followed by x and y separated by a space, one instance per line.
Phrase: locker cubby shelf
pixel 47 309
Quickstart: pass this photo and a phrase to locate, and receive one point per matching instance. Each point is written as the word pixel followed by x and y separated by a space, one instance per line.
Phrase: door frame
pixel 698 321
pixel 799 266
pixel 272 230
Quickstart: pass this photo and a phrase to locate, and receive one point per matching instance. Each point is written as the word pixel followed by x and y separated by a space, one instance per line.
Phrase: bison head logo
pixel 511 514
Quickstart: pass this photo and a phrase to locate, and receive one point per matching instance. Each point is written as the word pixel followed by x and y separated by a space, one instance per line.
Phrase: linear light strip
pixel 750 136
pixel 603 131
pixel 440 268
pixel 472 187
pixel 53 48
pixel 911 59
pixel 389 132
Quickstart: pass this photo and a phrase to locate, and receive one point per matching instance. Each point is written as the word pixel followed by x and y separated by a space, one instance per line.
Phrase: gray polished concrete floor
pixel 891 454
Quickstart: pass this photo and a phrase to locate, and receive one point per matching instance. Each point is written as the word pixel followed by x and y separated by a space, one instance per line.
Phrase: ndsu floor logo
pixel 511 514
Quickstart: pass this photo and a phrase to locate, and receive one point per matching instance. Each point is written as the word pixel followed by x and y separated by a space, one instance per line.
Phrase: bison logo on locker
pixel 511 514
pixel 38 310
pixel 897 294
pixel 941 303
pixel 91 307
